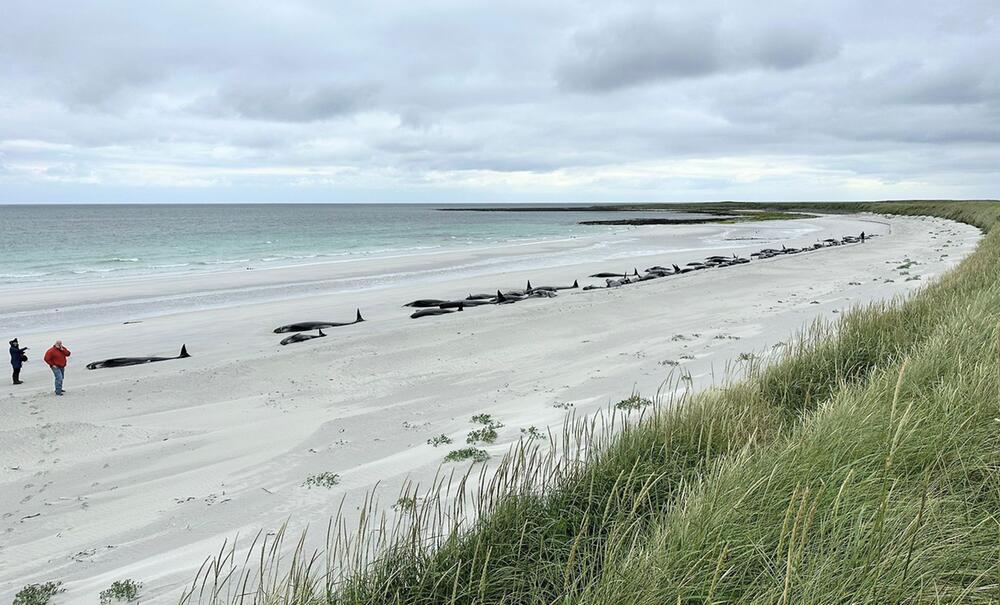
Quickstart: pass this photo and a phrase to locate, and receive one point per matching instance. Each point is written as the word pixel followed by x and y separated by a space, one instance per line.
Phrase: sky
pixel 469 101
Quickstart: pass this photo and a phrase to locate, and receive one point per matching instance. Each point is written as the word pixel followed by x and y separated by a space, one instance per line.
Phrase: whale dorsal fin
pixel 576 283
pixel 184 352
pixel 359 318
pixel 321 332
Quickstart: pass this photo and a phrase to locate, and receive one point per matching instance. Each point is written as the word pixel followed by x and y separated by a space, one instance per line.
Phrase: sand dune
pixel 142 472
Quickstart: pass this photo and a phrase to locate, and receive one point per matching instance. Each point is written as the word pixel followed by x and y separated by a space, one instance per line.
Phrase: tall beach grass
pixel 861 467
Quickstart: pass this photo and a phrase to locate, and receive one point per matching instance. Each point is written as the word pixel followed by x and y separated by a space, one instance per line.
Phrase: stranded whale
pixel 300 337
pixel 530 288
pixel 430 312
pixel 118 362
pixel 305 326
pixel 425 302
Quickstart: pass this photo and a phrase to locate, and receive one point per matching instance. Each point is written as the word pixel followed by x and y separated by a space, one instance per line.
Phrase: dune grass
pixel 860 468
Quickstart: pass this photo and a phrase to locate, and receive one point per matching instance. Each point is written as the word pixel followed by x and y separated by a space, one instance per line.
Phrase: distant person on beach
pixel 862 237
pixel 56 358
pixel 17 358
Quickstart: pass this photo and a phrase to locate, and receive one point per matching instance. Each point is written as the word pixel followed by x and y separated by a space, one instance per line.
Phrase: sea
pixel 54 244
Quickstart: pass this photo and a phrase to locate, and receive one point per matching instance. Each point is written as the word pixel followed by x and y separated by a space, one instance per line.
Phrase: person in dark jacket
pixel 17 359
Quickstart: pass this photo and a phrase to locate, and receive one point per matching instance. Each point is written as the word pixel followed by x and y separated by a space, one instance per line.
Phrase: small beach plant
pixel 634 402
pixel 487 434
pixel 441 439
pixel 120 591
pixel 532 432
pixel 38 594
pixel 486 419
pixel 405 503
pixel 325 479
pixel 467 453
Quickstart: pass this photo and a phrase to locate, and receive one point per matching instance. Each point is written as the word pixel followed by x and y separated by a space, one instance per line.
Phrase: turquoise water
pixel 46 244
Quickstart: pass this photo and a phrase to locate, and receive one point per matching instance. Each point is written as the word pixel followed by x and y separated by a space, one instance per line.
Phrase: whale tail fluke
pixel 359 318
pixel 500 297
pixel 321 332
pixel 461 307
pixel 184 352
pixel 636 271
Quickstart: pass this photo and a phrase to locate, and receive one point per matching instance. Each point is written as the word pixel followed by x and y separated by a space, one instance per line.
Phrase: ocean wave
pixel 23 275
pixel 118 259
pixel 171 266
pixel 223 262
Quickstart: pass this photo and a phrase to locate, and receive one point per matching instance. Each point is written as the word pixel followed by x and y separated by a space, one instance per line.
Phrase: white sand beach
pixel 143 472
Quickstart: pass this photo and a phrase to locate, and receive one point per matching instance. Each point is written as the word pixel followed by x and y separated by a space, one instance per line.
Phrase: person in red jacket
pixel 56 358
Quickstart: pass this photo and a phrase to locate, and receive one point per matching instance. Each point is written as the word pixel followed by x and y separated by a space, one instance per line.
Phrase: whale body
pixel 119 362
pixel 432 312
pixel 306 326
pixel 299 337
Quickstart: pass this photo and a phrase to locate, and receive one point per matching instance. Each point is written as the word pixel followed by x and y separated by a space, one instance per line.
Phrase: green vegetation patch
pixel 121 591
pixel 634 402
pixel 325 479
pixel 487 434
pixel 441 439
pixel 38 594
pixel 467 453
pixel 532 433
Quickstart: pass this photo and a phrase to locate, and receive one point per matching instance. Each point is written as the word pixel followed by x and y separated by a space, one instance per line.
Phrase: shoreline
pixel 139 297
pixel 119 457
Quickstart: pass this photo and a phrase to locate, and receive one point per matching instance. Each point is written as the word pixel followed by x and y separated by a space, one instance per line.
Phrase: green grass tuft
pixel 467 453
pixel 121 591
pixel 634 402
pixel 38 594
pixel 325 479
pixel 441 439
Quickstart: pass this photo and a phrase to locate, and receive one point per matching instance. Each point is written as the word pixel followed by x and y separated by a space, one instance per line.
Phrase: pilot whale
pixel 118 362
pixel 432 312
pixel 424 302
pixel 300 337
pixel 530 288
pixel 306 326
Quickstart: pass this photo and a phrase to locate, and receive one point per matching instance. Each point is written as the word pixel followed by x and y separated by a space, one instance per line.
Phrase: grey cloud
pixel 288 103
pixel 641 49
pixel 792 46
pixel 390 91
pixel 644 48
pixel 948 85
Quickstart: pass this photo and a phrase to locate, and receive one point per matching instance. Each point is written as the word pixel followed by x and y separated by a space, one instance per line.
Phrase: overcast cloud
pixel 498 101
